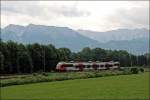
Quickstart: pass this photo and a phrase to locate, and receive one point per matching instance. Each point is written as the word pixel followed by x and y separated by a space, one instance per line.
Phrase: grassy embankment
pixel 49 77
pixel 122 87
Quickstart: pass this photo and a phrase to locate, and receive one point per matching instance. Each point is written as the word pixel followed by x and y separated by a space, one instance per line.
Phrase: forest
pixel 18 58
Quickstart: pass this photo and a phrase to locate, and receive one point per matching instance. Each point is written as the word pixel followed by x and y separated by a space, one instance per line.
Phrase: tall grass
pixel 48 77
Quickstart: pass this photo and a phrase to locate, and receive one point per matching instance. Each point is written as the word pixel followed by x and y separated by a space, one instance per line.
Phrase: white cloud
pixel 92 15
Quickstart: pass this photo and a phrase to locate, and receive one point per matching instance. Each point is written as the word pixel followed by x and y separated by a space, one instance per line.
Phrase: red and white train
pixel 85 66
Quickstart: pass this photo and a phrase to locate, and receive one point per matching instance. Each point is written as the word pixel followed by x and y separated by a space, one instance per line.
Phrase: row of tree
pixel 29 58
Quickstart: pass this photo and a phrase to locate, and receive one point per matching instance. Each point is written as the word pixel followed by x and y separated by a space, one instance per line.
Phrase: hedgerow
pixel 49 77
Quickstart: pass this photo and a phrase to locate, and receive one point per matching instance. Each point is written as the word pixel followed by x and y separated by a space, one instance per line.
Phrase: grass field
pixel 113 87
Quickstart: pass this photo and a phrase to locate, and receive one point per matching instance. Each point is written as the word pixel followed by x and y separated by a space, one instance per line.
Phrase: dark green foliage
pixel 44 74
pixel 20 58
pixel 64 54
pixel 141 70
pixel 134 70
pixel 1 62
pixel 32 58
pixel 35 74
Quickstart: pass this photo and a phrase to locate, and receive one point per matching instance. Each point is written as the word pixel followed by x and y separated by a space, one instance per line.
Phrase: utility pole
pixel 148 59
pixel 44 59
pixel 137 58
pixel 18 63
pixel 0 34
pixel 130 59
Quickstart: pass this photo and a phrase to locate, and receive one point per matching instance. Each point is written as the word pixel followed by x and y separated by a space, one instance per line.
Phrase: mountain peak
pixel 13 26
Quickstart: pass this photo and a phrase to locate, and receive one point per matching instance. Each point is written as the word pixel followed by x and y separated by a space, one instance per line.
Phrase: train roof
pixel 96 62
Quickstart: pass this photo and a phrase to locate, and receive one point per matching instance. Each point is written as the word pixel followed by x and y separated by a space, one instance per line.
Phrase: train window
pixel 95 65
pixel 68 65
pixel 116 64
pixel 107 65
pixel 110 65
pixel 88 66
pixel 101 65
pixel 80 65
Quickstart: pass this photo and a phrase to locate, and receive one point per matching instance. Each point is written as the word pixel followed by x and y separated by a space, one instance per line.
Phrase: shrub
pixel 141 70
pixel 35 74
pixel 48 77
pixel 134 70
pixel 44 74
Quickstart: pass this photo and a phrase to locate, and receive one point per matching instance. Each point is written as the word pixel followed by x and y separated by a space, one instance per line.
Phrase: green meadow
pixel 124 87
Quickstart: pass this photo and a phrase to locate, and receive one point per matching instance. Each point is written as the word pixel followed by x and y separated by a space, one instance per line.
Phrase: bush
pixel 35 74
pixel 134 70
pixel 48 77
pixel 141 70
pixel 44 74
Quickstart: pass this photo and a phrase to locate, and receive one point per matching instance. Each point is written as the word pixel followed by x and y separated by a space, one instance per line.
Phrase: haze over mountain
pixel 135 46
pixel 135 41
pixel 116 35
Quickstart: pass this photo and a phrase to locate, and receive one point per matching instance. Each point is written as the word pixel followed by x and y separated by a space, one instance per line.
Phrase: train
pixel 87 66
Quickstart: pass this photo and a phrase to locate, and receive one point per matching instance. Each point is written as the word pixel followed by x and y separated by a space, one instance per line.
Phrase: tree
pixel 98 54
pixel 86 54
pixel 1 62
pixel 35 51
pixel 64 54
pixel 12 48
pixel 51 57
pixel 28 58
pixel 24 60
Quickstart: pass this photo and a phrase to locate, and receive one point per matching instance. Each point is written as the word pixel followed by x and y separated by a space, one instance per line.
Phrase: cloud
pixel 71 11
pixel 91 15
pixel 43 11
pixel 131 18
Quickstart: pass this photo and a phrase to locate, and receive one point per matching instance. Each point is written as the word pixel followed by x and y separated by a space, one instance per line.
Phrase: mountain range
pixel 58 36
pixel 135 41
pixel 116 35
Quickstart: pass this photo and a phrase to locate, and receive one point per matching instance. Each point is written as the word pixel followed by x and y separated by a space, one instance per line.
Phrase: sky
pixel 86 15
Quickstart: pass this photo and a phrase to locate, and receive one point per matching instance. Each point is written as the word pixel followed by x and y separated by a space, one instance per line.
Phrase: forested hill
pixel 135 41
